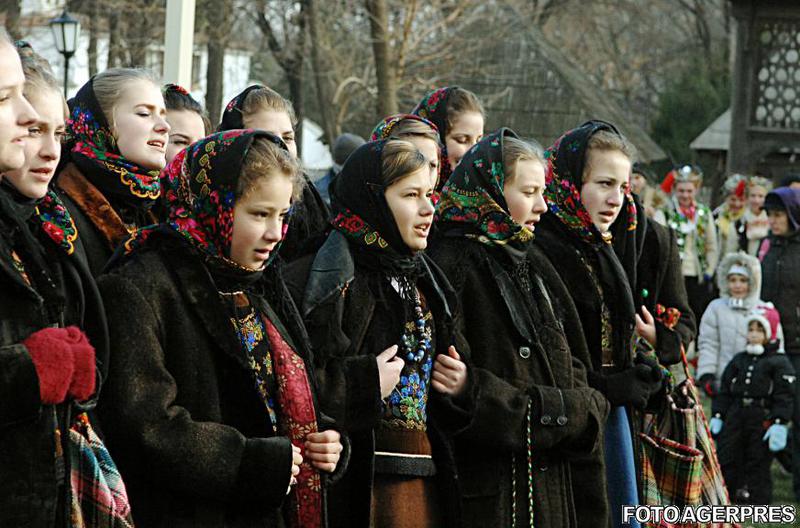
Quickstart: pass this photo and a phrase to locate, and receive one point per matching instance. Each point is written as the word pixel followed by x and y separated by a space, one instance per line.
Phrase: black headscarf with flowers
pixel 200 193
pixel 473 201
pixel 433 107
pixel 93 148
pixel 232 117
pixel 361 213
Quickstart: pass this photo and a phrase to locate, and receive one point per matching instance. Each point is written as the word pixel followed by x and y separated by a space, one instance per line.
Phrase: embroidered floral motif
pixel 352 226
pixel 562 192
pixel 475 192
pixel 93 144
pixel 56 222
pixel 406 406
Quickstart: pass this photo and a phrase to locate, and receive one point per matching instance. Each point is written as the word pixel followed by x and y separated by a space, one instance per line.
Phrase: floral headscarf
pixel 384 129
pixel 433 107
pixel 359 206
pixel 94 150
pixel 56 222
pixel 200 193
pixel 473 198
pixel 566 161
pixel 232 117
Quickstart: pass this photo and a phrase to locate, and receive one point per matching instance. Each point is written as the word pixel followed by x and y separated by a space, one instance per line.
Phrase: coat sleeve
pixel 783 389
pixel 722 402
pixel 672 294
pixel 19 386
pixel 197 458
pixel 708 344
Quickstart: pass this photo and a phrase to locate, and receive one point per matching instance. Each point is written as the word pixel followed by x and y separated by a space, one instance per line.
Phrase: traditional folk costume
pixel 533 453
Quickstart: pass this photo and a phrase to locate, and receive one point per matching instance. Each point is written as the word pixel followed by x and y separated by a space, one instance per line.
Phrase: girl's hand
pixel 297 459
pixel 449 373
pixel 646 327
pixel 389 368
pixel 323 449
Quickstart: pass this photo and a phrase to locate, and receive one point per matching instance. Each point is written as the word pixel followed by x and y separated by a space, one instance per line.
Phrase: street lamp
pixel 65 31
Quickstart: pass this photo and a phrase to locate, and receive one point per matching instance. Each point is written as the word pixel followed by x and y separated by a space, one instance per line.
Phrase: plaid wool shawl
pixel 98 498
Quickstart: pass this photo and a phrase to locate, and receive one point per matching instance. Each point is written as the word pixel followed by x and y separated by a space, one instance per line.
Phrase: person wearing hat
pixel 722 332
pixel 748 231
pixel 342 147
pixel 697 235
pixel 731 211
pixel 752 411
pixel 780 262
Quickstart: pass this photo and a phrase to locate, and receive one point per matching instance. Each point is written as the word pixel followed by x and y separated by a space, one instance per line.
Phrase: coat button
pixel 543 467
pixel 562 420
pixel 524 352
pixel 747 381
pixel 546 419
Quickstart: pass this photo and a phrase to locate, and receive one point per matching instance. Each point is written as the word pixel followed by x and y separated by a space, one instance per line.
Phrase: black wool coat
pixel 33 491
pixel 181 412
pixel 780 270
pixel 659 276
pixel 345 338
pixel 521 357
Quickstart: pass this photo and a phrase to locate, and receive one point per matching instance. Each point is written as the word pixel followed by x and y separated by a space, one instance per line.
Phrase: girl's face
pixel 16 113
pixel 43 145
pixel 755 198
pixel 735 203
pixel 409 200
pixel 738 286
pixel 140 125
pixel 604 183
pixel 430 150
pixel 756 334
pixel 185 127
pixel 465 131
pixel 258 220
pixel 778 222
pixel 685 191
pixel 524 193
pixel 275 122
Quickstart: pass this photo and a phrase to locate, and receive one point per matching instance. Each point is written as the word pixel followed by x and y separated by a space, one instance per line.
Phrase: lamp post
pixel 65 32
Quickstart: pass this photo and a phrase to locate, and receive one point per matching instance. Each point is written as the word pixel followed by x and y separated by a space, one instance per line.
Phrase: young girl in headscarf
pixel 525 458
pixel 117 141
pixel 263 108
pixel 210 402
pixel 380 315
pixel 588 173
pixel 459 116
pixel 187 119
pixel 52 331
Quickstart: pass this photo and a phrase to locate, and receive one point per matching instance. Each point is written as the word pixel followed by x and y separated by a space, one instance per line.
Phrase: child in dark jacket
pixel 756 395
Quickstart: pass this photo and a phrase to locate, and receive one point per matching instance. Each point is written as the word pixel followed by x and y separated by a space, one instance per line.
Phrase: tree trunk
pixel 295 77
pixel 214 74
pixel 92 49
pixel 320 77
pixel 114 47
pixel 384 71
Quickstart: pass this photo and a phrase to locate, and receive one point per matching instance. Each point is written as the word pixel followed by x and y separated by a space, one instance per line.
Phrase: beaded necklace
pixel 416 348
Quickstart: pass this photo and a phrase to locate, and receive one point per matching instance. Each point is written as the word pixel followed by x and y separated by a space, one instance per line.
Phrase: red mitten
pixel 83 379
pixel 52 357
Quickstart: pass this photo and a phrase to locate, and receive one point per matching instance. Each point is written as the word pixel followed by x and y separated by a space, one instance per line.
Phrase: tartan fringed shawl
pixel 98 495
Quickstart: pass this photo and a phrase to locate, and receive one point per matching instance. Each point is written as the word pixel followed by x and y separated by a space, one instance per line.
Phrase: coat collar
pixel 201 293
